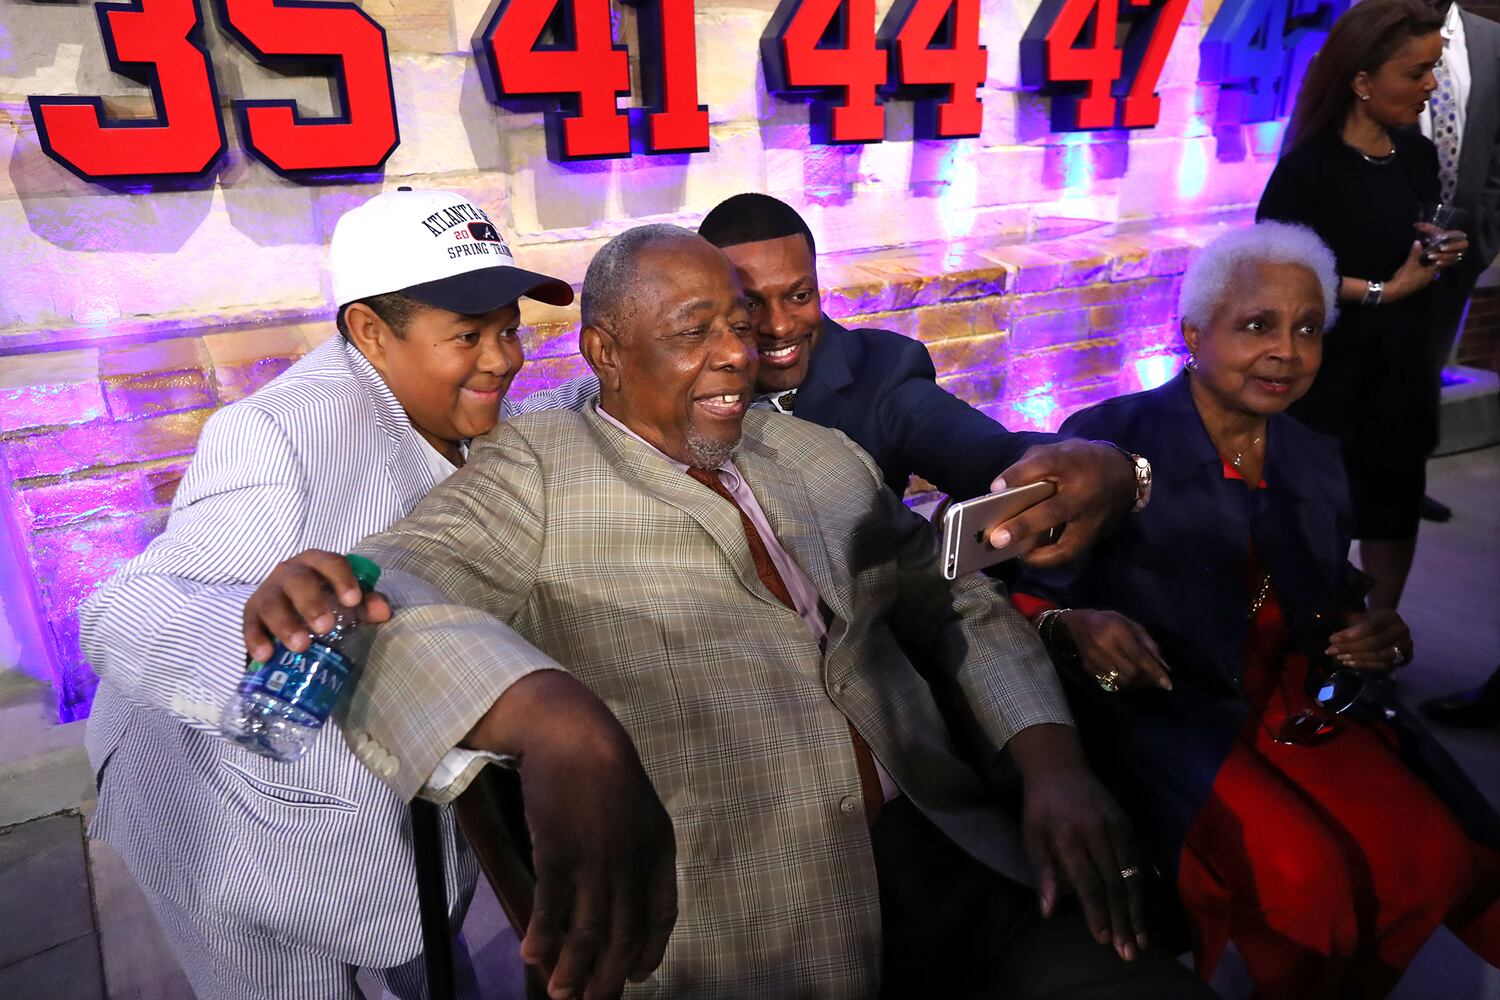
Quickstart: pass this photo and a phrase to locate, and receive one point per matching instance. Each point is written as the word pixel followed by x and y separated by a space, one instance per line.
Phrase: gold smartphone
pixel 967 527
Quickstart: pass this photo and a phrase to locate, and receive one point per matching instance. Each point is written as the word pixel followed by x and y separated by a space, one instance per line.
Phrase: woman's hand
pixel 1114 648
pixel 1377 640
pixel 1415 274
pixel 1450 251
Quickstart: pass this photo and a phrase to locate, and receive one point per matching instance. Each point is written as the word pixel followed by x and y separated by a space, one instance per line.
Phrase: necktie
pixel 1444 111
pixel 765 568
pixel 781 402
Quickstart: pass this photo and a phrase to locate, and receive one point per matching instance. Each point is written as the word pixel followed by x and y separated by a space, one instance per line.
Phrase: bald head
pixel 666 330
pixel 613 286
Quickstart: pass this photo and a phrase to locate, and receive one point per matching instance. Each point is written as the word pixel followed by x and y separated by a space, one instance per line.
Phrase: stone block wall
pixel 1038 267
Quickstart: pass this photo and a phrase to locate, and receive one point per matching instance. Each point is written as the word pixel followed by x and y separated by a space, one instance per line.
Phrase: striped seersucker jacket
pixel 640 582
pixel 316 853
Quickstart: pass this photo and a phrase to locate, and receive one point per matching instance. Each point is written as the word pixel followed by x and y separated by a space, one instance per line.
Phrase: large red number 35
pixel 344 41
pixel 160 42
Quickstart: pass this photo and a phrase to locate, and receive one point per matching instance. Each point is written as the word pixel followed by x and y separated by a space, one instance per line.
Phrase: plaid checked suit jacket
pixel 595 549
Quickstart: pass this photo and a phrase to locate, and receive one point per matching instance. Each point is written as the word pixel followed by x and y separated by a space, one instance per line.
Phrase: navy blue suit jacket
pixel 1180 568
pixel 880 389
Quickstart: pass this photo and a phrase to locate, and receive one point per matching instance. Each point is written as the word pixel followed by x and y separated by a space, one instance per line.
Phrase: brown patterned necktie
pixel 765 568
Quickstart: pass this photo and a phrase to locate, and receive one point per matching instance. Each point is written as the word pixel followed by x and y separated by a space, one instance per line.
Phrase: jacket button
pixel 839 686
pixel 848 804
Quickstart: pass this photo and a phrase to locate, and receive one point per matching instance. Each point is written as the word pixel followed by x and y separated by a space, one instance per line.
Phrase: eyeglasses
pixel 1337 694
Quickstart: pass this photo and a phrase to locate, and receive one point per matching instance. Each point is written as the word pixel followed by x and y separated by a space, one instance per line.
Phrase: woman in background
pixel 1327 846
pixel 1357 177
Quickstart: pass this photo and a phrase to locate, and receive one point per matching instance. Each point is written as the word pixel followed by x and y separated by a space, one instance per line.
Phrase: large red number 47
pixel 160 43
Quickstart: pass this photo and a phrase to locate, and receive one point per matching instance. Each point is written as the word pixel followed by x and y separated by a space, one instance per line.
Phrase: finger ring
pixel 1130 872
pixel 1107 681
pixel 1459 255
pixel 1400 659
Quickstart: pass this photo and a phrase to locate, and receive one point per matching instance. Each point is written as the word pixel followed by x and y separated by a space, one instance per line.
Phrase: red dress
pixel 1328 865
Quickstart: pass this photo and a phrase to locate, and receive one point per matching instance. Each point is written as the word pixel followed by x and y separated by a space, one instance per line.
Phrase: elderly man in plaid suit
pixel 769 624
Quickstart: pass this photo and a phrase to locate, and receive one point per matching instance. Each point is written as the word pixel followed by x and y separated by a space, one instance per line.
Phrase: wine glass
pixel 1437 223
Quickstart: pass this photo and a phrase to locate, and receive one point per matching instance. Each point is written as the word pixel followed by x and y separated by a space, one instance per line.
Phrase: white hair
pixel 1210 276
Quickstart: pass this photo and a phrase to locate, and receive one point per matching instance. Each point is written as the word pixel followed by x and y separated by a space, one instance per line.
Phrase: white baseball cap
pixel 435 246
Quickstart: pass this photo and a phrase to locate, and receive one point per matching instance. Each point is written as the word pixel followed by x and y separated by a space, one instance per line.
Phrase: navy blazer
pixel 1180 568
pixel 880 389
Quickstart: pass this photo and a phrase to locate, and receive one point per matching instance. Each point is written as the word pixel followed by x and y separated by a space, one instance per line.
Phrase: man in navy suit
pixel 880 389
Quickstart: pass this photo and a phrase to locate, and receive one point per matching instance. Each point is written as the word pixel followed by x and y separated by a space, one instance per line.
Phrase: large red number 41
pixel 583 73
pixel 340 39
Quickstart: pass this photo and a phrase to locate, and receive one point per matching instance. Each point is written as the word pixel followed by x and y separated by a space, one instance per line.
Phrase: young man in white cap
pixel 279 880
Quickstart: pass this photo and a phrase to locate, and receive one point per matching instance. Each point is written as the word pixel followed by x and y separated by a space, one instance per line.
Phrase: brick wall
pixel 1479 343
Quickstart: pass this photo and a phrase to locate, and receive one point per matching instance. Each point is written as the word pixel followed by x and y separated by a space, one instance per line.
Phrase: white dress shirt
pixel 1456 62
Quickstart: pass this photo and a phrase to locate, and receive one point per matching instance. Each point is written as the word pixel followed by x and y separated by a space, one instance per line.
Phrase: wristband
pixel 1142 470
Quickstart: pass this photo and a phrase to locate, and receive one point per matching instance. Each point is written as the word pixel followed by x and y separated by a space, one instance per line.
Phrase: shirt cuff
pixel 457 768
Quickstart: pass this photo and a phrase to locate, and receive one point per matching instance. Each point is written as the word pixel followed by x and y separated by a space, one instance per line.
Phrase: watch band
pixel 1142 469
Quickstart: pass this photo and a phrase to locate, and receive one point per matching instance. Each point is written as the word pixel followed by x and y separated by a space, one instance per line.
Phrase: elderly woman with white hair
pixel 1219 650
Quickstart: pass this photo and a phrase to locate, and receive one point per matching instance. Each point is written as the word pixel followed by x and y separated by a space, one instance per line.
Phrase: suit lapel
pixel 821 397
pixel 405 463
pixel 649 471
pixel 782 494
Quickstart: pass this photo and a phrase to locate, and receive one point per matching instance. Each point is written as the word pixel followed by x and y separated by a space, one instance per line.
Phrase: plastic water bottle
pixel 283 702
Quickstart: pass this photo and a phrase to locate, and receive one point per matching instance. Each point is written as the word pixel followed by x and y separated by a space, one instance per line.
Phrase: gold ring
pixel 1107 681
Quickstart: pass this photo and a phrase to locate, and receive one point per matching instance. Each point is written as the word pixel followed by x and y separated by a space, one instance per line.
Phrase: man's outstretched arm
pixel 446 671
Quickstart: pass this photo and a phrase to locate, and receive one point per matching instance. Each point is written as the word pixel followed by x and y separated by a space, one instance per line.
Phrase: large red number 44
pixel 160 43
pixel 934 44
pixel 828 48
pixel 1072 51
